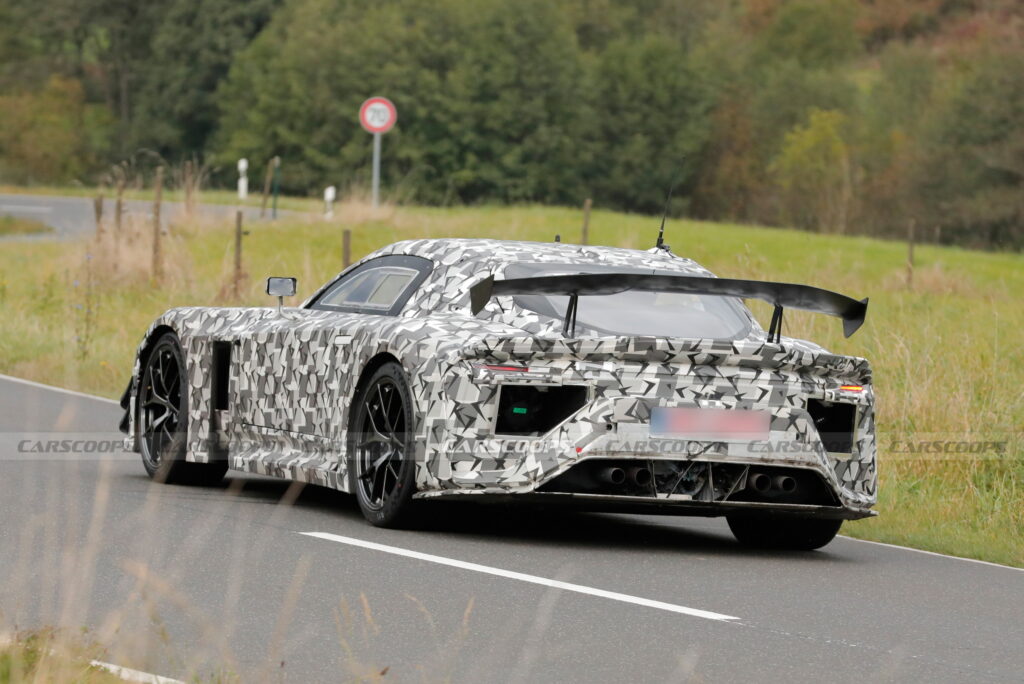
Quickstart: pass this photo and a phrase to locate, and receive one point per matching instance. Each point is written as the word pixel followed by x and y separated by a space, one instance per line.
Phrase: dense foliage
pixel 832 115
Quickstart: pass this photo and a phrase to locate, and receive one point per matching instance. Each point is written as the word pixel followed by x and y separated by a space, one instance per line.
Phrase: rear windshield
pixel 634 312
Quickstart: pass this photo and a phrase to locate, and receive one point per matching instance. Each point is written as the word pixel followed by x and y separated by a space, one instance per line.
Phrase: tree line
pixel 846 116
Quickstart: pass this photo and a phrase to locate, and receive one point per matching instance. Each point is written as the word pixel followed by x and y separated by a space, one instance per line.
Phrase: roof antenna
pixel 660 244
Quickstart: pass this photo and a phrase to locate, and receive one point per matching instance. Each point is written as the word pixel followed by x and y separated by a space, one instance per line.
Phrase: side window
pixel 381 286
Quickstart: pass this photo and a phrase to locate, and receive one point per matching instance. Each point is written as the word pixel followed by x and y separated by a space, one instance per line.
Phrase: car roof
pixel 492 254
pixel 460 262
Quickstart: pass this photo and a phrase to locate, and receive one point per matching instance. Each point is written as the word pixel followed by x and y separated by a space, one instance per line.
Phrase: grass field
pixel 947 352
pixel 50 656
pixel 10 226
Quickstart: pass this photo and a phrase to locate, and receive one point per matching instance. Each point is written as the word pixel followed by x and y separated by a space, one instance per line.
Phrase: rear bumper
pixel 465 450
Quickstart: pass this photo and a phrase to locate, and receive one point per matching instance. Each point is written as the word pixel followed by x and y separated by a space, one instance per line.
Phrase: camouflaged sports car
pixel 612 379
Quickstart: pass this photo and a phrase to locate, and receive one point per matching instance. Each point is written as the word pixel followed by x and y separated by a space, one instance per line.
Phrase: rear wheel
pixel 162 418
pixel 381 465
pixel 767 532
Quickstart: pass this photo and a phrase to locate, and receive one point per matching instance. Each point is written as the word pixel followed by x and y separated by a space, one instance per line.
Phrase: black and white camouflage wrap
pixel 294 375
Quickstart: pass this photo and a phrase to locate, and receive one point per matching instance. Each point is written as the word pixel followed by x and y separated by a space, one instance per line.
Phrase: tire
pixel 161 419
pixel 796 534
pixel 381 448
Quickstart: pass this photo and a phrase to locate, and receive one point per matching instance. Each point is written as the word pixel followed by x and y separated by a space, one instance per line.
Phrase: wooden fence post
pixel 346 248
pixel 586 221
pixel 910 254
pixel 97 205
pixel 119 208
pixel 189 197
pixel 157 196
pixel 266 186
pixel 236 285
pixel 275 187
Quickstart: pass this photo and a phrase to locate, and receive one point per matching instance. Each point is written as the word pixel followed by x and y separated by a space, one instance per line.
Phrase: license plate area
pixel 709 424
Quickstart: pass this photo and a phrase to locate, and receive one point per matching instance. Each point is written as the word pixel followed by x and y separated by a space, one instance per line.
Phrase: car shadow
pixel 525 523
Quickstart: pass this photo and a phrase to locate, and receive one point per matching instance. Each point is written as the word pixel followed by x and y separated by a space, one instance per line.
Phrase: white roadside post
pixel 377 116
pixel 243 179
pixel 330 193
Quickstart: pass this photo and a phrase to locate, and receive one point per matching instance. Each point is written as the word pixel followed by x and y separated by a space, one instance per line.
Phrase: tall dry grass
pixel 41 656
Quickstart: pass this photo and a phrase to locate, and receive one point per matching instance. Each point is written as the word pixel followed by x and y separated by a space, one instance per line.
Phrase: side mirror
pixel 281 287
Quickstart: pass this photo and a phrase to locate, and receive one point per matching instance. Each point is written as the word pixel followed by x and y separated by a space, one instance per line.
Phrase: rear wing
pixel 780 295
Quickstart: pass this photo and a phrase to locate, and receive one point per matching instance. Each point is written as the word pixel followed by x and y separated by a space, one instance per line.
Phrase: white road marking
pixel 30 209
pixel 83 395
pixel 933 553
pixel 522 577
pixel 130 675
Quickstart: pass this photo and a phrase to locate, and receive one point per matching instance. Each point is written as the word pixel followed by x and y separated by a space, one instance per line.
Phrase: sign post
pixel 377 115
pixel 376 170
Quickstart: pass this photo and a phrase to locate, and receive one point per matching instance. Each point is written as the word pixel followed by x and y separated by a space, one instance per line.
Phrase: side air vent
pixel 221 374
pixel 835 423
pixel 534 410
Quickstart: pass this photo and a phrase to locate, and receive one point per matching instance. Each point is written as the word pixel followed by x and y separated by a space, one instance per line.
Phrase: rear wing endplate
pixel 780 295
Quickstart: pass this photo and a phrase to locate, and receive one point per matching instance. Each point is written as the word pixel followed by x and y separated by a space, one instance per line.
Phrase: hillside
pixel 838 116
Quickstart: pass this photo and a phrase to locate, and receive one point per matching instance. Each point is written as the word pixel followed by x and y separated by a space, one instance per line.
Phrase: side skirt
pixel 335 477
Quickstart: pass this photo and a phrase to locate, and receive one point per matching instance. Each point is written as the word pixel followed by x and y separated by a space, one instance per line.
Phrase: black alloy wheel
pixel 382 466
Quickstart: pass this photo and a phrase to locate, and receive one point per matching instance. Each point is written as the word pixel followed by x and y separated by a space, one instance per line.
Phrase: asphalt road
pixel 177 579
pixel 74 216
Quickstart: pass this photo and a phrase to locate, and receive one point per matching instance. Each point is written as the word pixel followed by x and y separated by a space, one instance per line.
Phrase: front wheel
pixel 798 534
pixel 162 418
pixel 382 469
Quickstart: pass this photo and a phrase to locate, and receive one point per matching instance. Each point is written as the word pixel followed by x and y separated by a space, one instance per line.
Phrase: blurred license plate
pixel 709 424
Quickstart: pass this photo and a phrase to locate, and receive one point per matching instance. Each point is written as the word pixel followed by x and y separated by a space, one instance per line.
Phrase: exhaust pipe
pixel 640 476
pixel 759 482
pixel 784 483
pixel 612 475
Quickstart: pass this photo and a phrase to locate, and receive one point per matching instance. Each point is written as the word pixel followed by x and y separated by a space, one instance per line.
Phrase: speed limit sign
pixel 378 115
